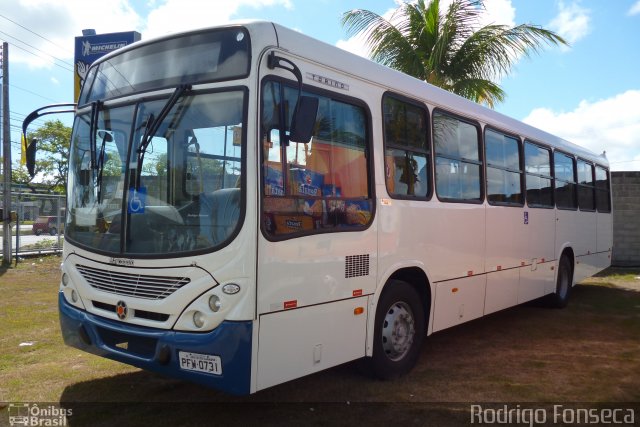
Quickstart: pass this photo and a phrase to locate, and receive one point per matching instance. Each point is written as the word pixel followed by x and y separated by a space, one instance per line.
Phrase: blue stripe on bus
pixel 230 340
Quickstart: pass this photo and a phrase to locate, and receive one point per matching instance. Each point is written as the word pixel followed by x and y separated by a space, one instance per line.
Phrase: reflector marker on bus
pixel 454 290
pixel 358 310
pixel 290 304
pixel 470 273
pixel 357 292
pixel 499 268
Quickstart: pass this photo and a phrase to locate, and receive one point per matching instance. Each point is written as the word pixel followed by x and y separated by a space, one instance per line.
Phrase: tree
pixel 53 159
pixel 448 48
pixel 20 175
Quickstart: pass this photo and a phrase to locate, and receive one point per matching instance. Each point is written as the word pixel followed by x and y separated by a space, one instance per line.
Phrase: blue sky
pixel 588 93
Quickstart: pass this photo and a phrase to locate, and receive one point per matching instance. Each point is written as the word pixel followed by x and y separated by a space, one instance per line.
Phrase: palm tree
pixel 449 50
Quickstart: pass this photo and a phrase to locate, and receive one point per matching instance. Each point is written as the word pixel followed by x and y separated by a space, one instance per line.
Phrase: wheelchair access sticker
pixel 137 200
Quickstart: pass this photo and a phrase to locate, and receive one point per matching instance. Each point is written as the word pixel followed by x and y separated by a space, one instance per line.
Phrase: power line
pixel 39 50
pixel 33 93
pixel 36 34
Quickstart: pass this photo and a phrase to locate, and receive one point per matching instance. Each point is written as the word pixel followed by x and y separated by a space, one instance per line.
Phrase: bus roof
pixel 346 62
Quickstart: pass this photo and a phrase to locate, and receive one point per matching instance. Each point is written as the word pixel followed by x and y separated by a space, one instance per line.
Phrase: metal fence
pixel 39 228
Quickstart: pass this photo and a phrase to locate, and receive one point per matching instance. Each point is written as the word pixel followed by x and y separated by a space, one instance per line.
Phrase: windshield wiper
pixel 106 137
pixel 93 129
pixel 153 125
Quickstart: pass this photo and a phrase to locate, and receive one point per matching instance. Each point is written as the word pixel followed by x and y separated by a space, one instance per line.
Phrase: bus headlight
pixel 198 319
pixel 214 303
pixel 65 279
pixel 212 307
pixel 74 296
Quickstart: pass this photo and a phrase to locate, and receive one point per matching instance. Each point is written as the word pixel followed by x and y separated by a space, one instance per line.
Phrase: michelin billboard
pixel 90 48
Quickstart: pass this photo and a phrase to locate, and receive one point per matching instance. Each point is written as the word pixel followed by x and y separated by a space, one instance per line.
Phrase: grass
pixel 616 275
pixel 34 363
pixel 43 244
pixel 588 352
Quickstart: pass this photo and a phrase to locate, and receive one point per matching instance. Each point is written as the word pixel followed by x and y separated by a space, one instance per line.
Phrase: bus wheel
pixel 399 331
pixel 560 298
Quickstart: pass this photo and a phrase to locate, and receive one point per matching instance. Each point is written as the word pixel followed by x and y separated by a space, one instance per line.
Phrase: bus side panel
pixel 507 238
pixel 312 270
pixel 599 257
pixel 458 301
pixel 536 276
pixel 585 239
pixel 605 233
pixel 295 343
pixel 502 290
pixel 506 249
pixel 567 230
pixel 536 280
pixel 453 235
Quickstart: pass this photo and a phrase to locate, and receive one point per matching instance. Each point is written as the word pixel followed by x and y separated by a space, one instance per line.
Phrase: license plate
pixel 206 363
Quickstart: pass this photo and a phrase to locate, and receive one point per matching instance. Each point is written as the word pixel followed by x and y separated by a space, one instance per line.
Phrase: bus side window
pixel 317 185
pixel 586 188
pixel 603 189
pixel 539 181
pixel 458 161
pixel 406 148
pixel 504 173
pixel 565 177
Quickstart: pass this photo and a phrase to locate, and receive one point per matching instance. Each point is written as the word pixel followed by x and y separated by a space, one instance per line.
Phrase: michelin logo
pixel 89 48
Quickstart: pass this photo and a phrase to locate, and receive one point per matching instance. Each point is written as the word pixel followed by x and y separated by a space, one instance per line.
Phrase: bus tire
pixel 399 331
pixel 560 298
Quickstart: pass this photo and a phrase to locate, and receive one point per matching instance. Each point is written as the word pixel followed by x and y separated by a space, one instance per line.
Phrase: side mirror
pixel 31 157
pixel 304 119
pixel 31 149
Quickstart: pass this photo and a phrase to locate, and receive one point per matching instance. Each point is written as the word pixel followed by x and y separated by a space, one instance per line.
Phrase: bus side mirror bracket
pixel 306 108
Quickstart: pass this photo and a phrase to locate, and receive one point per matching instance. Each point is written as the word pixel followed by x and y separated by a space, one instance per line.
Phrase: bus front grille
pixel 141 314
pixel 133 285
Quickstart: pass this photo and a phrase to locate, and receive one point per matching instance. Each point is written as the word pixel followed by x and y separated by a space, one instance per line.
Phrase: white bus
pixel 247 205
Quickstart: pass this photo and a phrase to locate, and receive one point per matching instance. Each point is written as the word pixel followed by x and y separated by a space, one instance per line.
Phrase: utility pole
pixel 6 151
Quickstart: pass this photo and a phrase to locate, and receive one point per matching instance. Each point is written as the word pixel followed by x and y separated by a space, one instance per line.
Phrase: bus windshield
pixel 177 190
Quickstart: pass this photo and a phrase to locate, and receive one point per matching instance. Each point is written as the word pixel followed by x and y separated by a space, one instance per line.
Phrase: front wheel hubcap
pixel 398 331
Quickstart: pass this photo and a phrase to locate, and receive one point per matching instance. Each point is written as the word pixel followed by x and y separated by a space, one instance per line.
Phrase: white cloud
pixel 635 9
pixel 572 22
pixel 498 12
pixel 178 15
pixel 60 22
pixel 55 81
pixel 611 124
pixel 354 45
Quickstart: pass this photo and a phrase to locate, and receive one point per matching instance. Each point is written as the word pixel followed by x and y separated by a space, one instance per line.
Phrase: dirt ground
pixel 527 355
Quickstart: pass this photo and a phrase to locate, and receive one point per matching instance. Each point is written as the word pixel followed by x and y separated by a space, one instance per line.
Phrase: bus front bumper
pixel 157 349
